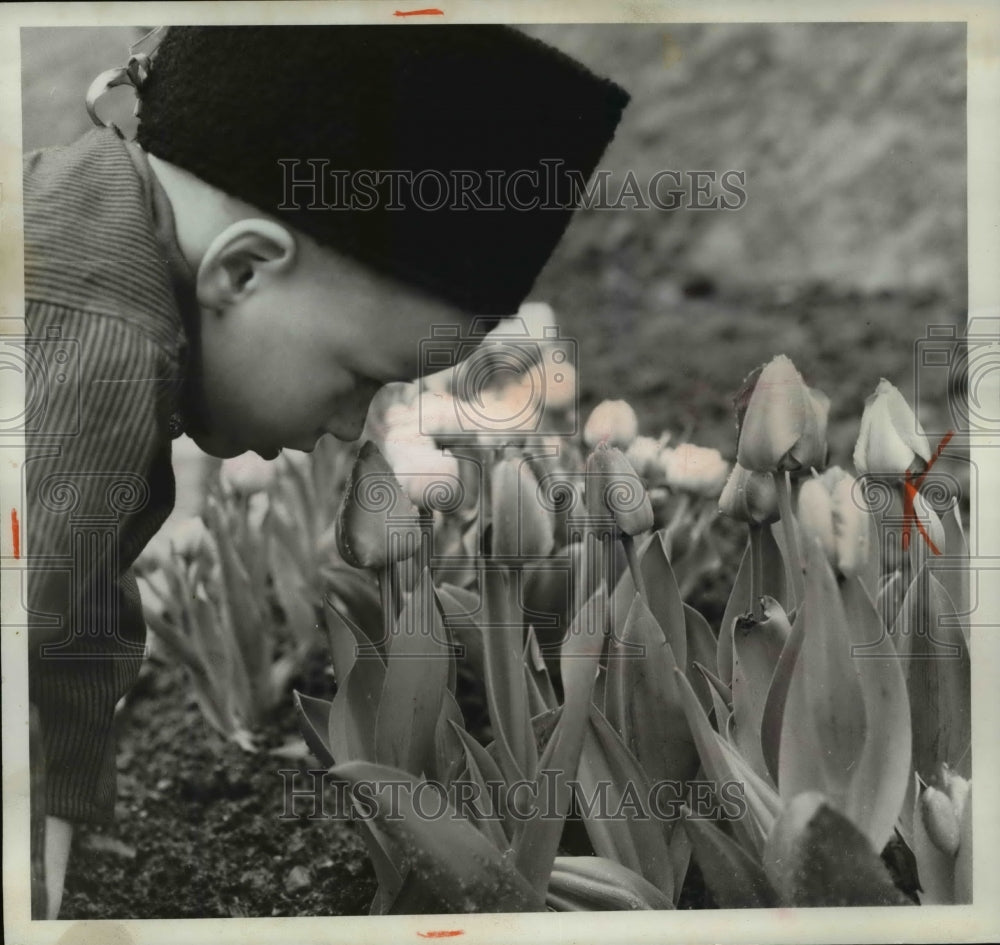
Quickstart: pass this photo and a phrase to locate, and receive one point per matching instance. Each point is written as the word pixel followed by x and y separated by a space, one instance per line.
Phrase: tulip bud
pixel 783 426
pixel 644 455
pixel 815 515
pixel 956 787
pixel 613 486
pixel 750 497
pixel 420 466
pixel 247 474
pixel 851 529
pixel 891 438
pixel 373 504
pixel 612 422
pixel 522 526
pixel 695 469
pixel 940 820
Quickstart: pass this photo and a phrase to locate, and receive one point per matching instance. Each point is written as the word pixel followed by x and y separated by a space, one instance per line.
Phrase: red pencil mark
pixel 442 933
pixel 430 11
pixel 910 489
pixel 15 528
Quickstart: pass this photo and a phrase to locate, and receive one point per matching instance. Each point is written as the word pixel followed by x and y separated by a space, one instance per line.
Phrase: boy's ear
pixel 239 257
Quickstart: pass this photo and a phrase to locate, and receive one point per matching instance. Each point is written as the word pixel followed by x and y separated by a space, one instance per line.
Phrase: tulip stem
pixel 756 570
pixel 784 491
pixel 628 543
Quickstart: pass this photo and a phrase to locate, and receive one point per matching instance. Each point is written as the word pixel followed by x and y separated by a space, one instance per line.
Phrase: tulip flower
pixel 750 497
pixel 644 455
pixel 941 808
pixel 828 513
pixel 420 466
pixel 247 474
pixel 612 422
pixel 374 504
pixel 613 487
pixel 784 424
pixel 891 439
pixel 695 469
pixel 522 526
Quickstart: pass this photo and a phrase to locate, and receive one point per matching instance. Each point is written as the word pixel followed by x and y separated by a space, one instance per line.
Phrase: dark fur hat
pixel 453 112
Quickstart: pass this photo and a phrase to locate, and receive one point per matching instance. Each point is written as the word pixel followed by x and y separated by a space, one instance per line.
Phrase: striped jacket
pixel 105 347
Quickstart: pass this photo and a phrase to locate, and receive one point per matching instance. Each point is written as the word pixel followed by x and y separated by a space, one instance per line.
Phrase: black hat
pixel 448 156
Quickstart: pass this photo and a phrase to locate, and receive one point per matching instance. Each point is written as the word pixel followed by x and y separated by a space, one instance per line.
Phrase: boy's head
pixel 340 191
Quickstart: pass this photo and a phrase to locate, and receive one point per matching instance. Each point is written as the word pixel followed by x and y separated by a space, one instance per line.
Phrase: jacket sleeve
pixel 99 485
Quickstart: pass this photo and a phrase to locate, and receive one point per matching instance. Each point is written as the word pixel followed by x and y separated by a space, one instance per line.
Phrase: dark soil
pixel 199 831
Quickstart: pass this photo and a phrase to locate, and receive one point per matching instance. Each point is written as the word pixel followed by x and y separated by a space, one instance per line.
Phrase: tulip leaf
pixel 607 766
pixel 351 733
pixel 956 579
pixel 448 751
pixel 757 647
pixel 738 604
pixel 314 721
pixel 679 848
pixel 823 725
pixel 506 689
pixel 777 694
pixel 936 662
pixel 416 675
pixel 538 840
pixel 642 697
pixel 734 878
pixel 701 648
pixel 664 597
pixel 719 695
pixel 449 861
pixel 538 674
pixel 462 613
pixel 879 781
pixel 482 771
pixel 594 883
pixel 714 760
pixel 354 593
pixel 816 857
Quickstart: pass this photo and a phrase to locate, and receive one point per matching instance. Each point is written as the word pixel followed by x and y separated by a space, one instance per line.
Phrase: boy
pixel 240 273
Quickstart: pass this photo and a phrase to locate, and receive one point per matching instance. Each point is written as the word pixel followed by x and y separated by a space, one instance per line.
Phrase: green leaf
pixel 538 674
pixel 597 884
pixel 448 751
pixel 737 605
pixel 701 648
pixel 878 783
pixel 607 766
pixel 462 613
pixel 482 771
pixel 816 857
pixel 506 690
pixel 664 597
pixel 449 861
pixel 416 675
pixel 938 675
pixel 757 649
pixel 823 728
pixel 963 863
pixel 642 698
pixel 777 694
pixel 352 727
pixel 538 840
pixel 714 760
pixel 734 878
pixel 314 722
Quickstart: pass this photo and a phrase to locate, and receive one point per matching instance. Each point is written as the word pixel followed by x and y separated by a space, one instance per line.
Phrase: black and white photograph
pixel 460 469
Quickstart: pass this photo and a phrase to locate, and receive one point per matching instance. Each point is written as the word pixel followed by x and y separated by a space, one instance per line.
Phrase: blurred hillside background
pixel 852 240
